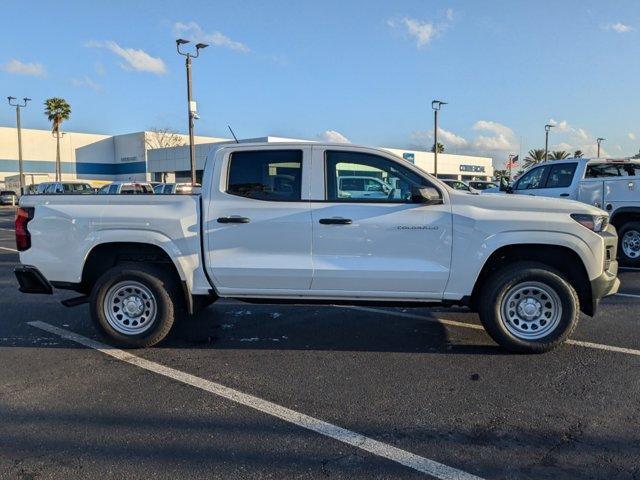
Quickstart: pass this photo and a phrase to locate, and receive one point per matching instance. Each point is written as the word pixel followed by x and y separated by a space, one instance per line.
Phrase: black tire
pixel 501 283
pixel 622 256
pixel 159 281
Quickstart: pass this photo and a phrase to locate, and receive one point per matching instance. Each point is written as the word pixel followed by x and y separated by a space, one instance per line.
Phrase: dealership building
pixel 142 156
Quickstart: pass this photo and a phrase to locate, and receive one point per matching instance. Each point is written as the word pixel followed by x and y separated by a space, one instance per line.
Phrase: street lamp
pixel 547 128
pixel 192 108
pixel 599 140
pixel 13 102
pixel 436 105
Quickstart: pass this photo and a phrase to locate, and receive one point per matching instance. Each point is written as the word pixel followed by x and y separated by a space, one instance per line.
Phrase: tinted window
pixel 103 190
pixel 353 176
pixel 613 170
pixel 167 189
pixel 532 179
pixel 127 190
pixel 144 189
pixel 561 176
pixel 113 189
pixel 266 175
pixel 458 185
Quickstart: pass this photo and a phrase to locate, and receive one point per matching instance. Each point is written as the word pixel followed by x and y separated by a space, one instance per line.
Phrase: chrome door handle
pixel 336 221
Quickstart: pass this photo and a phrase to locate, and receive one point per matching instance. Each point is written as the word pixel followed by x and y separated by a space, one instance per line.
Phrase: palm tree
pixel 578 154
pixel 57 111
pixel 440 148
pixel 534 156
pixel 559 155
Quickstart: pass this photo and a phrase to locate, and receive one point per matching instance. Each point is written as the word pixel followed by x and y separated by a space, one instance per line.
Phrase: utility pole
pixel 192 108
pixel 436 105
pixel 547 128
pixel 599 140
pixel 14 103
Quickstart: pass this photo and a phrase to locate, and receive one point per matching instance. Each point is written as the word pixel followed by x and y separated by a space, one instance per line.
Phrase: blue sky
pixel 363 70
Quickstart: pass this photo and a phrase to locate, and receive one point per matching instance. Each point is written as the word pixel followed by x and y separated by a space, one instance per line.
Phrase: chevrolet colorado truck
pixel 610 184
pixel 272 225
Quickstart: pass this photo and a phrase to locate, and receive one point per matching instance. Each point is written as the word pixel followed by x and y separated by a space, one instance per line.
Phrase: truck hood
pixel 512 202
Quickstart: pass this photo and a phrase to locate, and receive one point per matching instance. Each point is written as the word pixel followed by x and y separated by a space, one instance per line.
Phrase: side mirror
pixel 426 196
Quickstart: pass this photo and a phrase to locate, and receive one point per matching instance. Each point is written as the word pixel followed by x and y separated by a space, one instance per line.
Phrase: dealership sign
pixel 472 168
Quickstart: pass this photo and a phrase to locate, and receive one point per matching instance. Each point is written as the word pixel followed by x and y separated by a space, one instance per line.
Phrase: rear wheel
pixel 629 243
pixel 529 308
pixel 135 305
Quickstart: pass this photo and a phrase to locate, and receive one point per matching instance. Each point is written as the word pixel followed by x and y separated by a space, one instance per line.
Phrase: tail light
pixel 23 237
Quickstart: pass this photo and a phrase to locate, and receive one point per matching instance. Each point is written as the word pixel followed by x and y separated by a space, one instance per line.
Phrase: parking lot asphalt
pixel 410 386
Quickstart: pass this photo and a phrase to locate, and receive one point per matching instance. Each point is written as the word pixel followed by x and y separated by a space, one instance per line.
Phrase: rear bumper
pixel 31 280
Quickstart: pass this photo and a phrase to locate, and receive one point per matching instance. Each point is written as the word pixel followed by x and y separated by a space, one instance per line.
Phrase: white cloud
pixel 331 136
pixel 16 66
pixel 618 27
pixel 134 59
pixel 631 135
pixel 194 32
pixel 447 138
pixel 85 81
pixel 503 138
pixel 423 32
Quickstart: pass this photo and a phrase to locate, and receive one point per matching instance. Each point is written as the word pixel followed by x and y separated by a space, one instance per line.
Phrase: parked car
pixel 458 185
pixel 483 185
pixel 527 265
pixel 613 185
pixel 8 197
pixel 363 187
pixel 126 188
pixel 176 188
pixel 66 188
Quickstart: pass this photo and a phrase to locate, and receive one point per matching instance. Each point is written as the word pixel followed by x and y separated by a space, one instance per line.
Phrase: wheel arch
pixel 561 258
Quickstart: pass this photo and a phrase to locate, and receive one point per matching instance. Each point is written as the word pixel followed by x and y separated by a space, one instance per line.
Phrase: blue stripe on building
pixel 79 168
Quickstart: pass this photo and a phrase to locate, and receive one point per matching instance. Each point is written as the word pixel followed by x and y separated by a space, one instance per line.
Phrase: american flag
pixel 512 162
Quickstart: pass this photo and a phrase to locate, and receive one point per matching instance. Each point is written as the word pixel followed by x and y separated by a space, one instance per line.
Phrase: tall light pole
pixel 436 105
pixel 192 108
pixel 547 128
pixel 13 102
pixel 599 140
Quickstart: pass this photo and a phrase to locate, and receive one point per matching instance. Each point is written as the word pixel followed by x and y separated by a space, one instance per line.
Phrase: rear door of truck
pixel 257 224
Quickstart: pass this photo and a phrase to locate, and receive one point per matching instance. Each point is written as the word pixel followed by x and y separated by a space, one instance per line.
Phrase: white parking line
pixel 9 249
pixel 453 323
pixel 408 459
pixel 630 295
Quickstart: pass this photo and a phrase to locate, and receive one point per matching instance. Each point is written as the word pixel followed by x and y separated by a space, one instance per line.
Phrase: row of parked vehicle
pixel 74 187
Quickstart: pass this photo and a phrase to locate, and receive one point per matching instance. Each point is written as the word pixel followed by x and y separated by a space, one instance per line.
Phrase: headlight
pixel 595 223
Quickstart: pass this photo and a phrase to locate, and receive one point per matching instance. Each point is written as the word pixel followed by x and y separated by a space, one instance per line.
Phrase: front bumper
pixel 608 282
pixel 31 280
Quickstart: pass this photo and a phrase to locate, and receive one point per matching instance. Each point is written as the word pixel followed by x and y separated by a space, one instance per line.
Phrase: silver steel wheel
pixel 531 310
pixel 631 243
pixel 130 307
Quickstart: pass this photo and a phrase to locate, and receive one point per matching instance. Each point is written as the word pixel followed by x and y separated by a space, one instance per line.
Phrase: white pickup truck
pixel 613 185
pixel 271 225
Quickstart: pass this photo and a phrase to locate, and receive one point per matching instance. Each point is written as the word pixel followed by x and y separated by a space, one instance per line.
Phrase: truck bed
pixel 66 227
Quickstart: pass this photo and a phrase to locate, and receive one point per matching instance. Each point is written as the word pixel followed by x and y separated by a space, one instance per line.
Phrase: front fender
pixel 470 257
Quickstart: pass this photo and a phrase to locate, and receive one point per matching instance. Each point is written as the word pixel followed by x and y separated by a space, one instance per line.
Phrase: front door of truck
pixel 257 229
pixel 376 247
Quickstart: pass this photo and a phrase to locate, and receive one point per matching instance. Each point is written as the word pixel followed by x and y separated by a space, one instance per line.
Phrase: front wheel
pixel 629 243
pixel 527 307
pixel 134 305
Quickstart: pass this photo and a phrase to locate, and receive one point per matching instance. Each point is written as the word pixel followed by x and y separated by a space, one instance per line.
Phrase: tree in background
pixel 637 155
pixel 500 174
pixel 440 148
pixel 559 155
pixel 163 138
pixel 57 111
pixel 578 154
pixel 533 157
